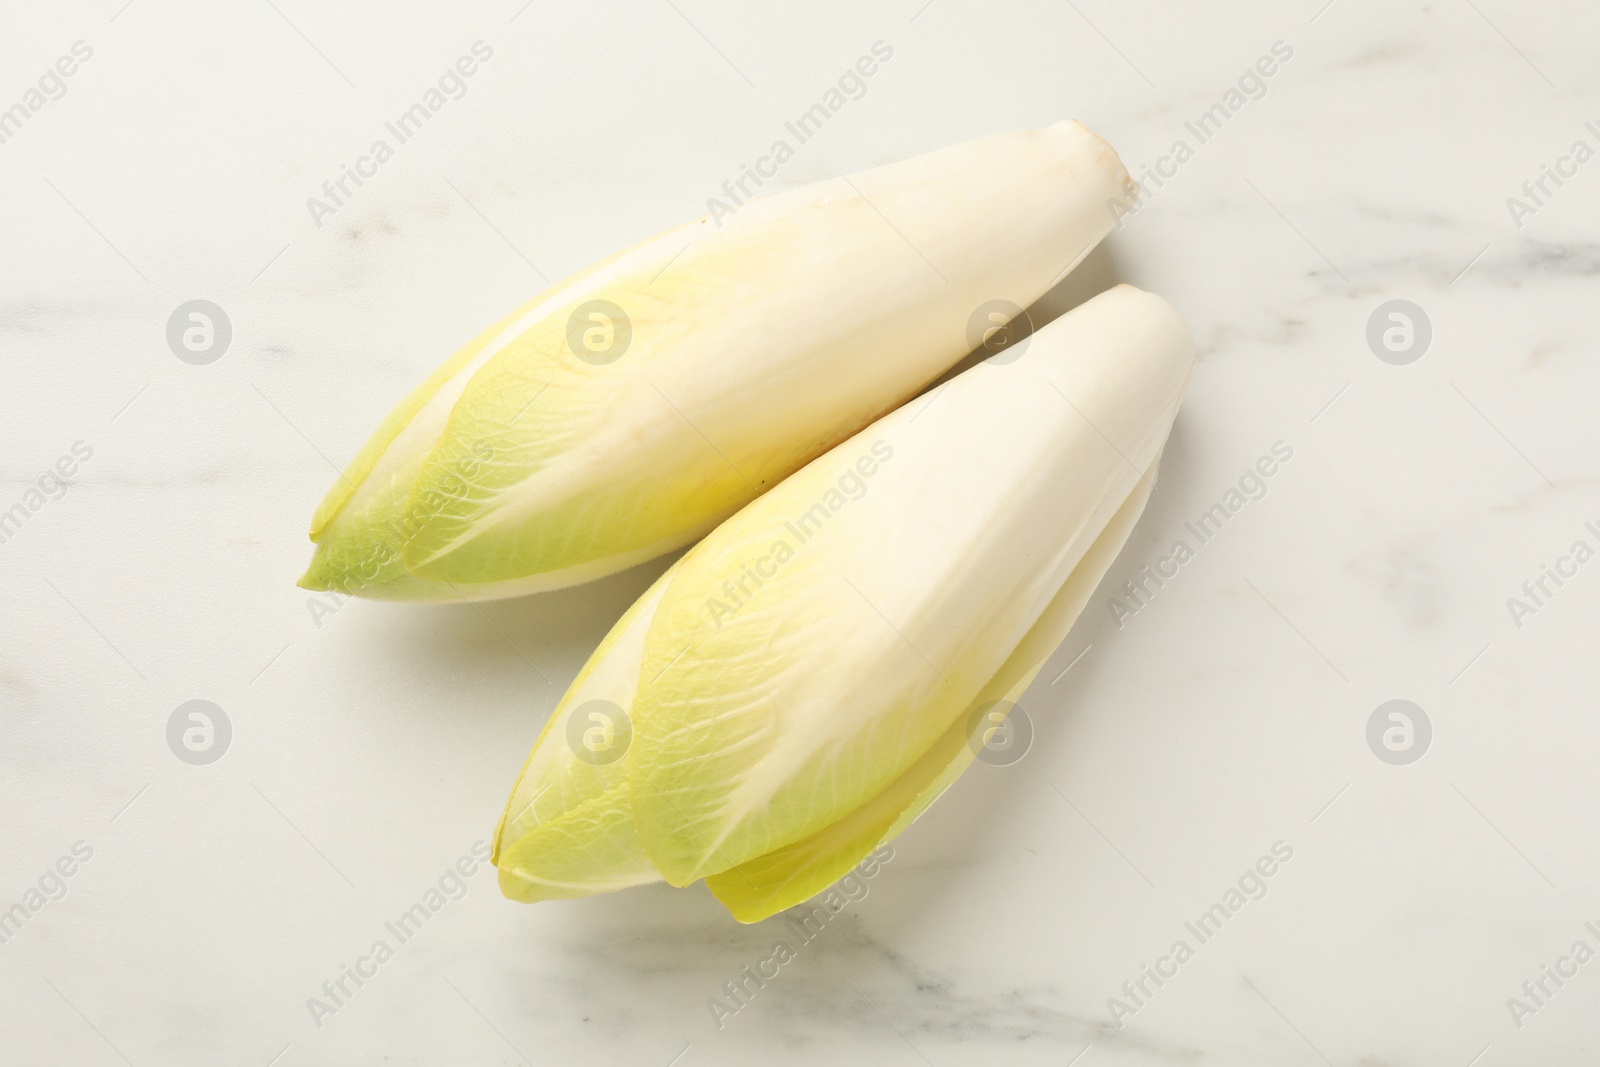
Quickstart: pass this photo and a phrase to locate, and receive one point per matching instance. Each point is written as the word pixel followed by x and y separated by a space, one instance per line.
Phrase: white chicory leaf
pixel 809 677
pixel 626 411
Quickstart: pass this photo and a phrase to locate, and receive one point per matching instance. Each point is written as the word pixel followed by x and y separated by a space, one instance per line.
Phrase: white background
pixel 371 747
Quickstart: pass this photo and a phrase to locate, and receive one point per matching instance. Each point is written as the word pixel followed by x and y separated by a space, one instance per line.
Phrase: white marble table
pixel 372 745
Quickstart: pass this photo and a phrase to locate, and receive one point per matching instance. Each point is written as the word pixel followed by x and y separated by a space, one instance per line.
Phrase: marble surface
pixel 372 745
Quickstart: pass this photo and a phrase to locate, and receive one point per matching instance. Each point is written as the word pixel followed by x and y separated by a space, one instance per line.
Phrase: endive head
pixel 801 684
pixel 628 410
